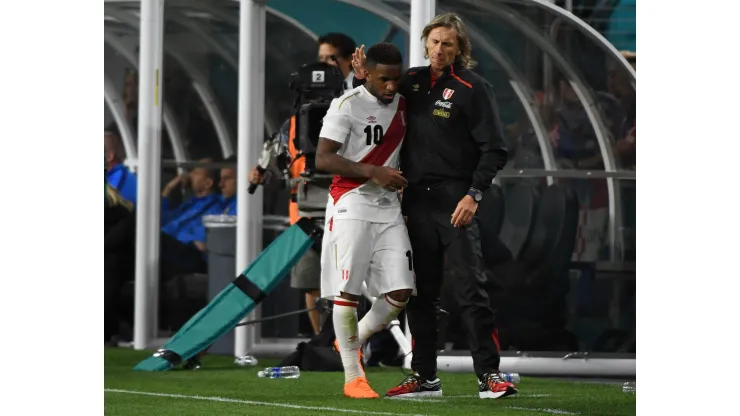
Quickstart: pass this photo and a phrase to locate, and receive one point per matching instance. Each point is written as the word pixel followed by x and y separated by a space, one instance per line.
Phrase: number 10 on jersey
pixel 374 135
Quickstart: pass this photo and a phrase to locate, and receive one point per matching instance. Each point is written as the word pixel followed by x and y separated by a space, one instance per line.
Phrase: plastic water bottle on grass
pixel 511 377
pixel 280 372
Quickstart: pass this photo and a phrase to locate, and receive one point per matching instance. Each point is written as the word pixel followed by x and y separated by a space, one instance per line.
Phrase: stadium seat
pixel 184 296
pixel 518 215
pixel 179 299
pixel 550 245
pixel 532 299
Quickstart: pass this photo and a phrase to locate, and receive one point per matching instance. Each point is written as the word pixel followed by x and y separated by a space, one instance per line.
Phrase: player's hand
pixel 464 212
pixel 358 62
pixel 255 177
pixel 387 177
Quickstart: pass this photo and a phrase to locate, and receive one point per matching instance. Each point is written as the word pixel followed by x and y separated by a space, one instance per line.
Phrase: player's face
pixel 383 82
pixel 442 47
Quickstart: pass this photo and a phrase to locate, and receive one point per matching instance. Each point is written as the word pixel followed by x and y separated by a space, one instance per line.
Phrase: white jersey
pixel 372 133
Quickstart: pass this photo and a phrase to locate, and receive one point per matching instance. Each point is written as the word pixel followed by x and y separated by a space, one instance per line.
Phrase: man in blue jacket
pixel 227 184
pixel 181 241
pixel 226 205
pixel 116 173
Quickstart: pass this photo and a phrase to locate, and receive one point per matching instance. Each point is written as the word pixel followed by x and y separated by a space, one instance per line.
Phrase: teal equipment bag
pixel 234 302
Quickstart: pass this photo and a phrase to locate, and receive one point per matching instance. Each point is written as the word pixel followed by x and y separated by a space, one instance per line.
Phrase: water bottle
pixel 246 361
pixel 511 377
pixel 280 372
pixel 629 387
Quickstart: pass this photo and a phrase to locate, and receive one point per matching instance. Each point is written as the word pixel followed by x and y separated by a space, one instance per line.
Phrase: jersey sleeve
pixel 337 123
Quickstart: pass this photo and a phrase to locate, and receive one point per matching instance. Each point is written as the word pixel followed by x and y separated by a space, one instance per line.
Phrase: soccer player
pixel 365 238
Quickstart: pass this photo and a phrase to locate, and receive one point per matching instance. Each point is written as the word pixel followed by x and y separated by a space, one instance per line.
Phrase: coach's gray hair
pixel 453 21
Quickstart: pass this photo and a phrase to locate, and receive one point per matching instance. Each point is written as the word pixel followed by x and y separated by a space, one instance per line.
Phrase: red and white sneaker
pixel 492 386
pixel 415 386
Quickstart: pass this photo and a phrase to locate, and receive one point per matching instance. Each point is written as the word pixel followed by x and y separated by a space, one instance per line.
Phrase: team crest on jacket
pixel 447 93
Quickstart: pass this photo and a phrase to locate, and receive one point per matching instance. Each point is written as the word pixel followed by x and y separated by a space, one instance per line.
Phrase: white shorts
pixel 356 252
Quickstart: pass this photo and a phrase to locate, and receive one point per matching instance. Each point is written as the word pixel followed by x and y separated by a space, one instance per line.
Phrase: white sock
pixel 384 310
pixel 344 315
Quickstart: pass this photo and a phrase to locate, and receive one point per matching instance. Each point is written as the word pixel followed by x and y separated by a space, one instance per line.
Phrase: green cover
pixel 232 304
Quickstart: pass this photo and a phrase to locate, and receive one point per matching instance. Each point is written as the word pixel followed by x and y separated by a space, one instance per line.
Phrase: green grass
pixel 220 378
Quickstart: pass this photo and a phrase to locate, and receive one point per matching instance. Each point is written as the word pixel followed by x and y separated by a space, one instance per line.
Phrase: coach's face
pixel 383 82
pixel 442 47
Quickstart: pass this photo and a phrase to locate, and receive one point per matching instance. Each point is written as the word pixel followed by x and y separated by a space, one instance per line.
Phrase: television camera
pixel 315 86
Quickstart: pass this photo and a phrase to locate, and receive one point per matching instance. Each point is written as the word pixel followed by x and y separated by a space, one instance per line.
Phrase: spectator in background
pixel 182 242
pixel 227 184
pixel 179 221
pixel 575 144
pixel 117 174
pixel 131 95
pixel 226 205
pixel 625 130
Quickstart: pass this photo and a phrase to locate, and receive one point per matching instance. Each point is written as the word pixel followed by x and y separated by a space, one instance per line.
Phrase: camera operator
pixel 335 49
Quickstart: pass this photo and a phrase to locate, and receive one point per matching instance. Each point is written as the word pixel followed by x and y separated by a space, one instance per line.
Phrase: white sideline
pixel 227 400
pixel 553 411
pixel 530 395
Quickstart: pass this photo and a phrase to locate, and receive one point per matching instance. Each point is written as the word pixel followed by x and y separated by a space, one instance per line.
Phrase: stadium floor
pixel 223 388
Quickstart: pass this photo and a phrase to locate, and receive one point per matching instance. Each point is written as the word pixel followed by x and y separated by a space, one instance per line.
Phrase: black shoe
pixel 492 386
pixel 415 386
pixel 193 364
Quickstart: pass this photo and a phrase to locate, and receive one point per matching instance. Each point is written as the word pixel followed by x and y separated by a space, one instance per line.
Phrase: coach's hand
pixel 387 177
pixel 464 212
pixel 358 62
